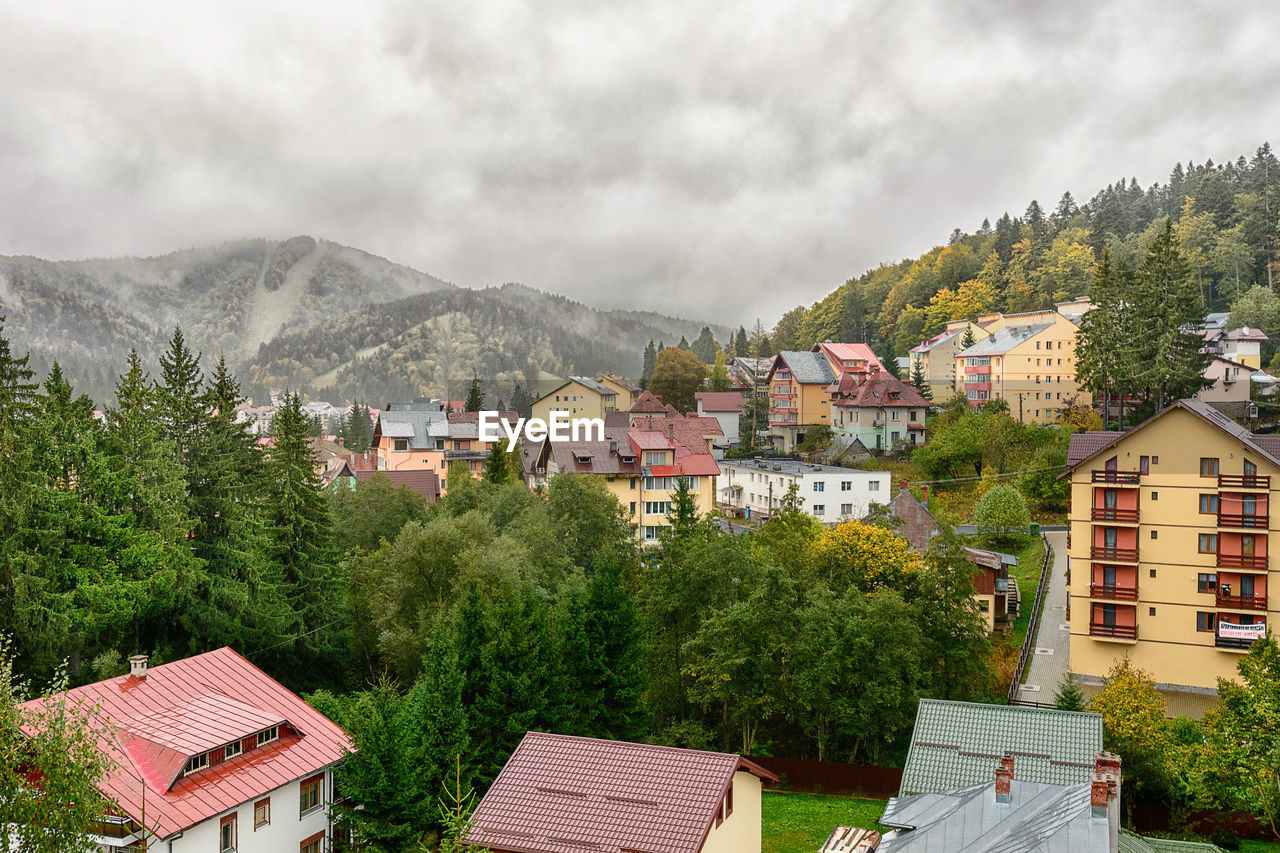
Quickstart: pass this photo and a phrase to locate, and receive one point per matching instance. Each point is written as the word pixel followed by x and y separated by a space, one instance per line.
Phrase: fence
pixel 834 777
pixel 1033 626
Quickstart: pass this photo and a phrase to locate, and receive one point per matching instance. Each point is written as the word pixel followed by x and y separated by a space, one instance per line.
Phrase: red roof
pixel 719 401
pixel 875 390
pixel 562 794
pixel 648 403
pixel 645 439
pixel 420 481
pixel 838 354
pixel 192 705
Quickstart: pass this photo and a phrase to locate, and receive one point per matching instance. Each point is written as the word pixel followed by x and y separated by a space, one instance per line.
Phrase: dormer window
pixel 196 762
pixel 233 749
pixel 268 735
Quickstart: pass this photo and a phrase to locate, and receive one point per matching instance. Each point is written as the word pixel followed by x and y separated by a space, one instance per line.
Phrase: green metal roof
pixel 1130 843
pixel 957 744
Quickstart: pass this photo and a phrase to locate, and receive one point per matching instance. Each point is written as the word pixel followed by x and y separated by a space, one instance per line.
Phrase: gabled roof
pixel 420 426
pixel 619 381
pixel 1004 340
pixel 187 707
pixel 719 401
pixel 588 382
pixel 940 338
pixel 1086 445
pixel 1244 333
pixel 838 354
pixel 806 367
pixel 955 744
pixel 562 794
pixel 858 390
pixel 647 403
pixel 417 480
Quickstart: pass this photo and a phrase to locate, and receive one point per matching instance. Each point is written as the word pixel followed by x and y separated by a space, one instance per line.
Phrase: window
pixel 1155 496
pixel 873 486
pixel 1109 499
pixel 819 486
pixel 984 605
pixel 846 509
pixel 227 834
pixel 1151 611
pixel 439 444
pixel 655 457
pixel 633 507
pixel 1153 534
pixel 1208 543
pixel 196 762
pixel 402 444
pixel 1206 621
pixel 1151 572
pixel 1109 537
pixel 651 532
pixel 657 507
pixel 309 794
pixel 261 813
pixel 1208 467
pixel 1155 460
pixel 1249 468
pixel 846 485
pixel 1246 545
pixel 1206 582
pixel 233 749
pixel 1109 615
pixel 1209 504
pixel 819 509
pixel 1144 464
pixel 268 735
pixel 633 483
pixel 312 844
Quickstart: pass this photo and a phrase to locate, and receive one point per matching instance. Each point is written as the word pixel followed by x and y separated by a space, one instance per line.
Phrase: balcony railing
pixel 1231 642
pixel 1242 602
pixel 1102 513
pixel 1122 632
pixel 1120 593
pixel 1244 481
pixel 1241 561
pixel 1114 555
pixel 1240 519
pixel 1124 478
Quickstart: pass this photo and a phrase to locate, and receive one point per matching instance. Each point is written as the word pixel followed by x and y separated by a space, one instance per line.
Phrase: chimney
pixel 342 442
pixel 1104 793
pixel 613 445
pixel 902 486
pixel 1004 780
pixel 924 494
pixel 1099 793
pixel 138 666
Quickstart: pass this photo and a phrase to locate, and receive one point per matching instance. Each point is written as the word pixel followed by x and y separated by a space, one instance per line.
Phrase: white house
pixel 222 758
pixel 829 493
pixel 725 407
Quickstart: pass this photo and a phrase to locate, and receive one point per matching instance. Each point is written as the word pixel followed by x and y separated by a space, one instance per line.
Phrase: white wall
pixel 864 488
pixel 740 833
pixel 283 835
pixel 728 422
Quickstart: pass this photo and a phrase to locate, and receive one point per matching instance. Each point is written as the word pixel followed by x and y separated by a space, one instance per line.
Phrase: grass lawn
pixel 1030 560
pixel 1250 845
pixel 800 823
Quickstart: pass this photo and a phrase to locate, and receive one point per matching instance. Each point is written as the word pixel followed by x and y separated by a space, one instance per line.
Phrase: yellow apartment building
pixel 578 397
pixel 798 396
pixel 1168 558
pixel 626 392
pixel 1028 360
pixel 937 357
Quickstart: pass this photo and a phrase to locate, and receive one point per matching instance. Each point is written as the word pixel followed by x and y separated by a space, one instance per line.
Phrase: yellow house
pixel 1028 360
pixel 798 396
pixel 579 397
pixel 937 358
pixel 640 467
pixel 1168 558
pixel 625 391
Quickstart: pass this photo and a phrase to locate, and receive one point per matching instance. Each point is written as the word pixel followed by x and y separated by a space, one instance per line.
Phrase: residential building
pixel 698 434
pixel 1028 360
pixel 411 436
pixel 756 487
pixel 219 755
pixel 842 357
pixel 257 419
pixel 746 373
pixel 648 405
pixel 918 524
pixel 1243 345
pixel 466 447
pixel 872 406
pixel 954 744
pixel 798 396
pixel 1232 386
pixel 1168 561
pixel 561 793
pixel 640 467
pixel 937 358
pixel 725 407
pixel 991 586
pixel 425 483
pixel 328 414
pixel 577 397
pixel 625 390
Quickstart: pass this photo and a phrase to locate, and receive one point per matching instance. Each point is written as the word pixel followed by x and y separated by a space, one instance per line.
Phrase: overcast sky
pixel 724 161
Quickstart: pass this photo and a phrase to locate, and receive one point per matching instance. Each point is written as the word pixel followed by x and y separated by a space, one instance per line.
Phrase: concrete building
pixel 625 389
pixel 756 487
pixel 1232 386
pixel 577 397
pixel 1169 565
pixel 877 409
pixel 937 358
pixel 725 407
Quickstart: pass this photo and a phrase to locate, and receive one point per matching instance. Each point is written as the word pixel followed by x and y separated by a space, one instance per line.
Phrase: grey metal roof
pixel 1042 818
pixel 1004 340
pixel 808 367
pixel 594 385
pixel 955 744
pixel 420 427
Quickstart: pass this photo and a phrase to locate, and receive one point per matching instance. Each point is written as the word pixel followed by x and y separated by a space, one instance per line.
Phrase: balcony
pixel 1246 520
pixel 1242 561
pixel 1113 555
pixel 1232 643
pixel 1241 602
pixel 1260 482
pixel 981 368
pixel 1122 478
pixel 977 386
pixel 1116 632
pixel 1117 593
pixel 1124 516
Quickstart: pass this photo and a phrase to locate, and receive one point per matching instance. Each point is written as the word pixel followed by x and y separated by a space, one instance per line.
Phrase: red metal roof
pixel 421 481
pixel 719 401
pixel 562 794
pixel 184 706
pixel 648 402
pixel 649 440
pixel 665 470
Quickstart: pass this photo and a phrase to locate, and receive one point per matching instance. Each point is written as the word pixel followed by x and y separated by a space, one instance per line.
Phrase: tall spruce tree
pixel 705 346
pixel 650 361
pixel 918 380
pixel 522 402
pixel 178 396
pixel 967 339
pixel 475 397
pixel 1106 350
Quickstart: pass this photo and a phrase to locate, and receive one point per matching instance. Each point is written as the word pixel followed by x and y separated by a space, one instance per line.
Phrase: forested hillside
pixel 307 314
pixel 1226 218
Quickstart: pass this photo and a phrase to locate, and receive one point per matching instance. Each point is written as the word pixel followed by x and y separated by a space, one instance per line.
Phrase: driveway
pixel 1050 660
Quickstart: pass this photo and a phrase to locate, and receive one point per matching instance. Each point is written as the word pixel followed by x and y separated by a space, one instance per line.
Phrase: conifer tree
pixel 613 631
pixel 741 347
pixel 521 402
pixel 705 346
pixel 500 466
pixel 967 339
pixel 433 727
pixel 1166 310
pixel 178 395
pixel 918 379
pixel 720 374
pixel 475 397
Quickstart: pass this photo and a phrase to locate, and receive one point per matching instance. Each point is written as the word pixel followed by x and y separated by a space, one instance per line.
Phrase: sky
pixel 718 161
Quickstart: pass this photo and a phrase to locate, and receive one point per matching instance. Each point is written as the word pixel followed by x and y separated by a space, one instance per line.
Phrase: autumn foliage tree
pixel 677 376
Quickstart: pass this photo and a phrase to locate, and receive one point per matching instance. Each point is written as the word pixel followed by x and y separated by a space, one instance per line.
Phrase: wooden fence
pixel 834 777
pixel 1033 626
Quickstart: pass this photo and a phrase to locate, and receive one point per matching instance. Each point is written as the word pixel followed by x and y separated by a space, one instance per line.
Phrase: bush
pixel 1001 514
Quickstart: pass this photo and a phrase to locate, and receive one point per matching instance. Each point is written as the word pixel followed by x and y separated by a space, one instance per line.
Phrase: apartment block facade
pixel 1169 550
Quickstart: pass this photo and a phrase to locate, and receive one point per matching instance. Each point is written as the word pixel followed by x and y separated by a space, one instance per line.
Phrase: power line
pixel 291 639
pixel 984 477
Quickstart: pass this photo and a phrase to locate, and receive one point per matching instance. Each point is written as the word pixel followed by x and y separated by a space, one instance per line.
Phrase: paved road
pixel 1051 661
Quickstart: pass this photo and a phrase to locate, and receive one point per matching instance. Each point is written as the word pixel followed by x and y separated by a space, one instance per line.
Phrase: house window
pixel 633 483
pixel 1249 468
pixel 1208 543
pixel 846 485
pixel 227 834
pixel 261 813
pixel 439 444
pixel 1144 464
pixel 819 486
pixel 268 735
pixel 309 794
pixel 651 532
pixel 846 509
pixel 312 844
pixel 984 605
pixel 1209 504
pixel 196 762
pixel 873 486
pixel 1206 621
pixel 233 749
pixel 1153 535
pixel 819 509
pixel 1208 467
pixel 655 458
pixel 402 444
pixel 1155 460
pixel 894 413
pixel 657 507
pixel 1206 582
pixel 633 507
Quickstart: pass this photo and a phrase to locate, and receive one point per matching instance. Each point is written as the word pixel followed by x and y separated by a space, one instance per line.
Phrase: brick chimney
pixel 924 494
pixel 1104 793
pixel 138 666
pixel 1004 780
pixel 1099 793
pixel 902 486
